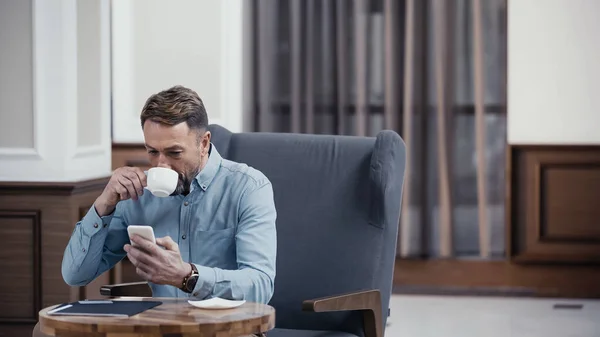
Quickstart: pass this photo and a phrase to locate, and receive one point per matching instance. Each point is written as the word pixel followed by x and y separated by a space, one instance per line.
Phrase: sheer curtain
pixel 433 70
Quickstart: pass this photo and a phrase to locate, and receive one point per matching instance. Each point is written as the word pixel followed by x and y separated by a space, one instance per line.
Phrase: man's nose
pixel 162 162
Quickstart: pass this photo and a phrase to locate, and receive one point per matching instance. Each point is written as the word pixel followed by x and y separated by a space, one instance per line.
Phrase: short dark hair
pixel 176 105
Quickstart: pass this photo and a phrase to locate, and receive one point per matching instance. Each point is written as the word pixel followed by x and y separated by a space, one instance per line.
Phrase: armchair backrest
pixel 338 201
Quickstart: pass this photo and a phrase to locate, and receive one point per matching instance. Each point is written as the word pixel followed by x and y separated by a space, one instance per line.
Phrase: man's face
pixel 178 148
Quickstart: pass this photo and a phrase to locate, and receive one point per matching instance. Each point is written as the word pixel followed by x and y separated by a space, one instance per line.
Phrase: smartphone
pixel 147 232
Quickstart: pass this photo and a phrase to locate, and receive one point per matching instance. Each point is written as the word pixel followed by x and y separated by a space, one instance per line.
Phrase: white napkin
pixel 216 303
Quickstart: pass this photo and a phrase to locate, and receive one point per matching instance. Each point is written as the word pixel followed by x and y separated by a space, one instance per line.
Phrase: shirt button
pixel 185 203
pixel 203 187
pixel 95 225
pixel 196 294
pixel 105 225
pixel 83 250
pixel 183 237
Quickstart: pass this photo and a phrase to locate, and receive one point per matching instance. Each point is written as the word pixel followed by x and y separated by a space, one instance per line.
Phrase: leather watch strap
pixel 184 284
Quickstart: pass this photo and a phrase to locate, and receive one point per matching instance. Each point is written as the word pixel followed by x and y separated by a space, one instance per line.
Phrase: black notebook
pixel 105 308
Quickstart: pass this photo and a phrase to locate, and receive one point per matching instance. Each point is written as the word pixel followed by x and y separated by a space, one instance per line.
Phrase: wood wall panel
pixel 553 233
pixel 130 155
pixel 570 216
pixel 36 222
pixel 496 278
pixel 20 260
pixel 15 330
pixel 553 213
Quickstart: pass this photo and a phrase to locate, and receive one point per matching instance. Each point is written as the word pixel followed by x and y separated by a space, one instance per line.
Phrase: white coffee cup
pixel 162 181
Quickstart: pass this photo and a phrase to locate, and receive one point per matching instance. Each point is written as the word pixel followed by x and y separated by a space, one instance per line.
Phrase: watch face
pixel 191 283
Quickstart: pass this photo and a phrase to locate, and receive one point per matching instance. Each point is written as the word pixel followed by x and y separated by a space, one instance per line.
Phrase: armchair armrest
pixel 369 302
pixel 135 289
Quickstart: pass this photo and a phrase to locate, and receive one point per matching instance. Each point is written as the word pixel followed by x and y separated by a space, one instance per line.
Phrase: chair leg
pixel 37 332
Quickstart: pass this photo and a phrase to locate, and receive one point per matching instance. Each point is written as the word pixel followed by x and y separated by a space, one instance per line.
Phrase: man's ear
pixel 203 138
pixel 205 142
pixel 207 136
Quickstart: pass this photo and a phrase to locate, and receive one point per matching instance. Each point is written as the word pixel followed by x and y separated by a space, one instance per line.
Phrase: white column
pixel 54 90
pixel 553 72
pixel 195 43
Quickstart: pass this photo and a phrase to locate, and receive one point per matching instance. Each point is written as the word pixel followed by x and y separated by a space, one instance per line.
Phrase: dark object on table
pixel 104 308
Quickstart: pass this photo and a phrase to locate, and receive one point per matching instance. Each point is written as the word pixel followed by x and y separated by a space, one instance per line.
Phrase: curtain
pixel 432 70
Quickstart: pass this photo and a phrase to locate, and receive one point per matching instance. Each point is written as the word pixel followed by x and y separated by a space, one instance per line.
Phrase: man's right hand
pixel 125 182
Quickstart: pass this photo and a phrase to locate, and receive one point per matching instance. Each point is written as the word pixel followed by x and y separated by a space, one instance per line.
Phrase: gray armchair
pixel 338 205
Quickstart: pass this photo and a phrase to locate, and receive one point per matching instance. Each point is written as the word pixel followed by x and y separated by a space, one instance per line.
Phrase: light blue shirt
pixel 225 226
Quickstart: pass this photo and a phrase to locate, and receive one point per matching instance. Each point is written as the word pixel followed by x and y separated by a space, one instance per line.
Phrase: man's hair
pixel 175 105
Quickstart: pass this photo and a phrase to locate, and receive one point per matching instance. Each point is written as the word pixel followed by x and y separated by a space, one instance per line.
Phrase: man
pixel 215 234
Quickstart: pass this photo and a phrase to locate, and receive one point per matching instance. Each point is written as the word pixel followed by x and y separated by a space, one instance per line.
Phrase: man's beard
pixel 184 183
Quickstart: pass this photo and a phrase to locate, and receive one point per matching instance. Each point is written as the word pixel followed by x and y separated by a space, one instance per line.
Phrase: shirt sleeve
pixel 95 246
pixel 256 246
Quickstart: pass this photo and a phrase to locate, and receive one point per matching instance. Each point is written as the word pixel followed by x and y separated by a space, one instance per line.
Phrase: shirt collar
pixel 208 173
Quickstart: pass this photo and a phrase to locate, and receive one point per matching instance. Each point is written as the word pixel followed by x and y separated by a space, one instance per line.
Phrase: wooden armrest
pixel 135 289
pixel 369 302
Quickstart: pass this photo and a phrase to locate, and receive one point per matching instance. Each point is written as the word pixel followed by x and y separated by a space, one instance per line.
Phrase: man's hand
pixel 155 264
pixel 125 183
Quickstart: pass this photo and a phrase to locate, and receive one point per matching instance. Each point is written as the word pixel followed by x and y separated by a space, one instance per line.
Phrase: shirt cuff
pixel 206 282
pixel 92 223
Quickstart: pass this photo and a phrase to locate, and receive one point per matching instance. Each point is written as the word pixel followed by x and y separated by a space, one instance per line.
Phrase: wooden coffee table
pixel 175 317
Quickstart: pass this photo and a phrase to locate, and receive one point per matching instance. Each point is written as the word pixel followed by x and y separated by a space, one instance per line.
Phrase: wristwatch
pixel 189 282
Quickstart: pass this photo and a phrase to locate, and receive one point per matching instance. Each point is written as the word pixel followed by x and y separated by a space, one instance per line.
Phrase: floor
pixel 447 316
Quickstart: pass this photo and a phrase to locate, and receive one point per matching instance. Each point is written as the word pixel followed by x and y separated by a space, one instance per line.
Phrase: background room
pixel 496 101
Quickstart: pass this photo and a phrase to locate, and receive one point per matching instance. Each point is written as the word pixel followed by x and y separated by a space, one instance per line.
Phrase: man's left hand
pixel 155 264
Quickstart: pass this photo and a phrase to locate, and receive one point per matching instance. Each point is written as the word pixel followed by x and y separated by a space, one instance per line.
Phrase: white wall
pixel 554 72
pixel 158 44
pixel 16 79
pixel 54 90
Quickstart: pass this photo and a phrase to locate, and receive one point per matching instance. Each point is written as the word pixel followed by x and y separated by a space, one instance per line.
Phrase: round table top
pixel 174 317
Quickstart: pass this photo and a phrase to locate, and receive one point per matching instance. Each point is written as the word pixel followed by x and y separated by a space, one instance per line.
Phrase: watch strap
pixel 188 278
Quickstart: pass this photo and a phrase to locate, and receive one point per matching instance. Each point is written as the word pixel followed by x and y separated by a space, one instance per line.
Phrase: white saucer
pixel 216 303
